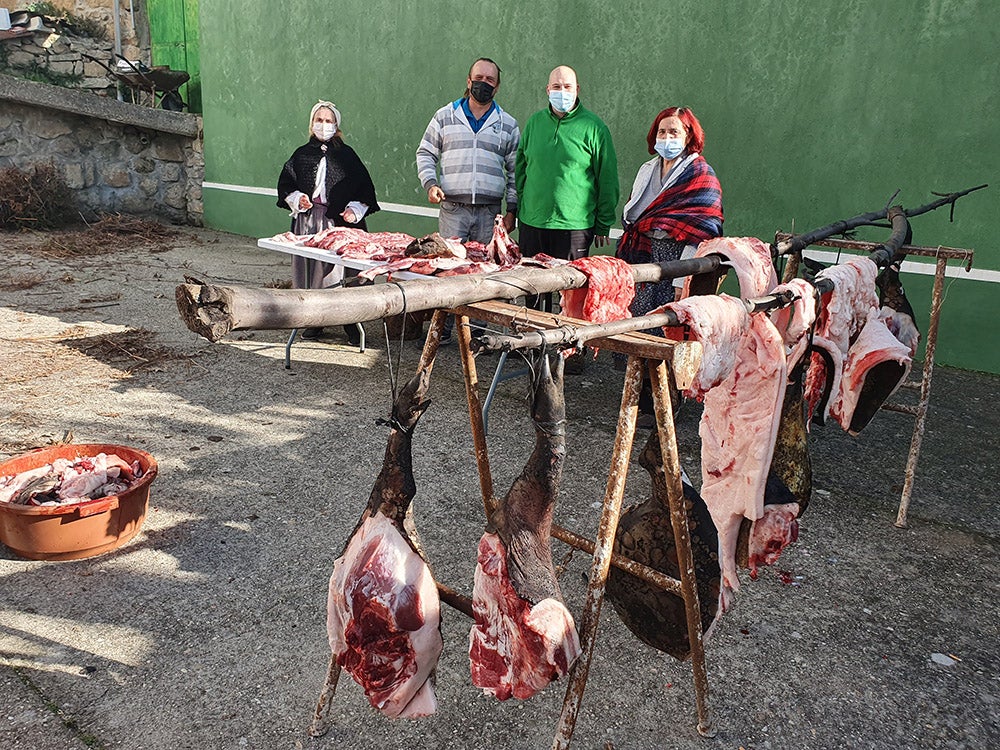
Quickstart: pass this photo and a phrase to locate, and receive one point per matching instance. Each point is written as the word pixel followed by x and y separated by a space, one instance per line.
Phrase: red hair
pixel 696 136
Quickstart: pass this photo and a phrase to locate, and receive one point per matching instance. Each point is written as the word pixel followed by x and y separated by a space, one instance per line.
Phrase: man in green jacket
pixel 566 175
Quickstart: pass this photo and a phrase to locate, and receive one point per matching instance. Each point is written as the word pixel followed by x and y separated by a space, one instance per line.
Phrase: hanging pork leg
pixel 524 637
pixel 383 611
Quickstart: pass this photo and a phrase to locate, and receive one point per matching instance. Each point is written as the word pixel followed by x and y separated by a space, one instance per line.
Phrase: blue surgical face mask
pixel 562 101
pixel 669 148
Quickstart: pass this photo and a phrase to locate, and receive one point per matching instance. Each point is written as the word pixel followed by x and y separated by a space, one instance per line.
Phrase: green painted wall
pixel 174 41
pixel 813 111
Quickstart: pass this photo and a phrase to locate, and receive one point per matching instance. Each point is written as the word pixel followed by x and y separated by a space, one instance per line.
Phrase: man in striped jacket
pixel 465 160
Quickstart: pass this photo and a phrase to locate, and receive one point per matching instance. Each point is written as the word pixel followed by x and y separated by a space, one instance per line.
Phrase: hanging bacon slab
pixel 747 256
pixel 877 364
pixel 843 311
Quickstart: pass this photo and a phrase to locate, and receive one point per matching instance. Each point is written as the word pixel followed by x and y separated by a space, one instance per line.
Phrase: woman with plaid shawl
pixel 675 203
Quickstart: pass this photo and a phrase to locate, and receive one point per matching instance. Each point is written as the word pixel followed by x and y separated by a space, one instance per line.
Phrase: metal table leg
pixel 498 377
pixel 288 348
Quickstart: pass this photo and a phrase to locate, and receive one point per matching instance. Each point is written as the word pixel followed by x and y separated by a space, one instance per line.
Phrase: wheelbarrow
pixel 160 83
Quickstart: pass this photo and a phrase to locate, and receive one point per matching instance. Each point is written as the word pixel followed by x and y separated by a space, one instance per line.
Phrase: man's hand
pixel 509 222
pixel 601 240
pixel 304 203
pixel 349 217
pixel 435 194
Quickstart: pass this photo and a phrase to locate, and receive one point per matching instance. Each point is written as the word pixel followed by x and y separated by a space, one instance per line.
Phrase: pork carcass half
pixel 897 312
pixel 789 483
pixel 383 610
pixel 523 637
pixel 742 381
pixel 877 364
pixel 738 431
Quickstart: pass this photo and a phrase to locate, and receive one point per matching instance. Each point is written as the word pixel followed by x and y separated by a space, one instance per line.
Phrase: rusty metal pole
pixel 587 625
pixel 475 410
pixel 318 727
pixel 682 540
pixel 925 393
pixel 640 571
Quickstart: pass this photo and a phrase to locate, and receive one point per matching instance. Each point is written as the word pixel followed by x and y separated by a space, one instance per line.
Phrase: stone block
pixel 48 126
pixel 168 149
pixel 9 146
pixel 94 70
pixel 66 57
pixel 66 68
pixel 135 141
pixel 135 204
pixel 149 185
pixel 175 196
pixel 170 172
pixel 115 175
pixel 73 174
pixel 143 165
pixel 20 59
pixel 66 146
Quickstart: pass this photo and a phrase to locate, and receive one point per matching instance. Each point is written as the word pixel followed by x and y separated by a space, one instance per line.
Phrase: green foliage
pixel 42 74
pixel 35 199
pixel 72 22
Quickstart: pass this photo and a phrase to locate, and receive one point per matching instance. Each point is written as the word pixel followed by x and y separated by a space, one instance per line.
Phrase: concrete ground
pixel 208 629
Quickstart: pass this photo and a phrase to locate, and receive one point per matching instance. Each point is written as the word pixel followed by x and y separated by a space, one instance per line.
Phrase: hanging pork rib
pixel 524 637
pixel 383 611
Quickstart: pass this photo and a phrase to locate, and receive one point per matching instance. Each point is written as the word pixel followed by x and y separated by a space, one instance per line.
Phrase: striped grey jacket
pixel 474 167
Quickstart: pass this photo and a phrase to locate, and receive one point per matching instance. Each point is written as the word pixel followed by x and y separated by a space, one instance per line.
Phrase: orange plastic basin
pixel 70 532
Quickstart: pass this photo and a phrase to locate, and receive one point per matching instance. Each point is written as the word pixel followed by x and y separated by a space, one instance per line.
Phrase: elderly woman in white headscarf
pixel 324 184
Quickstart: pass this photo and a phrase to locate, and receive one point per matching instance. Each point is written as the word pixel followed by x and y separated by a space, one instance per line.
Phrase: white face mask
pixel 324 130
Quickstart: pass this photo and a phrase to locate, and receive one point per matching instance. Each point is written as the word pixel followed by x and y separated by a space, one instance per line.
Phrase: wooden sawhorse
pixel 645 353
pixel 919 412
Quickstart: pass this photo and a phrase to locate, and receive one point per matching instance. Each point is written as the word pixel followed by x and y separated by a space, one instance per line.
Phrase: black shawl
pixel 347 179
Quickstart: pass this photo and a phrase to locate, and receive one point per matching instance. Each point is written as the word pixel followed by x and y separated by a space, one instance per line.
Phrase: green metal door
pixel 173 35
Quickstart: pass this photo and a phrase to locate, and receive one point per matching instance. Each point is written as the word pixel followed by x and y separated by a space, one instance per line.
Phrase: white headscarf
pixel 320 105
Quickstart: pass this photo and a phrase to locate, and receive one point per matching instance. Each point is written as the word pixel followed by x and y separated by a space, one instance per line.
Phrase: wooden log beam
pixel 213 311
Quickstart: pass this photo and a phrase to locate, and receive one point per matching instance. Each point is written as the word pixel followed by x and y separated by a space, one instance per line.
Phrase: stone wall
pixel 132 20
pixel 64 50
pixel 65 55
pixel 118 157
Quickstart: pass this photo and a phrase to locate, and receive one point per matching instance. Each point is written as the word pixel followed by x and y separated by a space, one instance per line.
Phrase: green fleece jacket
pixel 567 172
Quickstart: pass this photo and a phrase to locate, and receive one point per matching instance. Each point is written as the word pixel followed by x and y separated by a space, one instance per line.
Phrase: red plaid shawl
pixel 690 210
